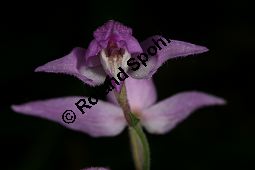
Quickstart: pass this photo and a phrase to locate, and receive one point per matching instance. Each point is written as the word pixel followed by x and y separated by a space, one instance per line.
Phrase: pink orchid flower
pixel 107 118
pixel 113 45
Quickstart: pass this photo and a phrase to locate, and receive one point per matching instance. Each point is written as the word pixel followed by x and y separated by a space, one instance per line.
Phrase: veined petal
pixel 102 119
pixel 74 64
pixel 165 115
pixel 111 27
pixel 112 31
pixel 170 50
pixel 141 93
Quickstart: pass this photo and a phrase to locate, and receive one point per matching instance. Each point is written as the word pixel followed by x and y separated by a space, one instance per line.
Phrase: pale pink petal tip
pixel 74 64
pixel 167 114
pixel 97 121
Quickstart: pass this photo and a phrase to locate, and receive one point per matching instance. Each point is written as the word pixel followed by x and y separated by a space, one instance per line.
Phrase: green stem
pixel 136 146
pixel 139 142
pixel 121 97
pixel 140 148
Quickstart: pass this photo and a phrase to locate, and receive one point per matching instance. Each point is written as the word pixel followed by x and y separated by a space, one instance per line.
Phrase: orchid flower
pixel 113 45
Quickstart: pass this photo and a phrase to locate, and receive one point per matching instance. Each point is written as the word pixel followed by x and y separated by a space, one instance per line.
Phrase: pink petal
pixel 172 50
pixel 102 119
pixel 144 72
pixel 112 28
pixel 133 46
pixel 74 64
pixel 179 49
pixel 141 93
pixel 112 31
pixel 91 54
pixel 165 115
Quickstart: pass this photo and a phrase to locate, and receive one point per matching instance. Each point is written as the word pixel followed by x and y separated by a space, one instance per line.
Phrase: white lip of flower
pixel 112 63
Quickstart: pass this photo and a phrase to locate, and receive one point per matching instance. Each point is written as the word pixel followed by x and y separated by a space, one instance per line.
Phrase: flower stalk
pixel 140 148
pixel 132 120
pixel 138 140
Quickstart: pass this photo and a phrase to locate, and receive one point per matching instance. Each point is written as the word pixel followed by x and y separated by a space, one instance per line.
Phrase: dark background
pixel 212 138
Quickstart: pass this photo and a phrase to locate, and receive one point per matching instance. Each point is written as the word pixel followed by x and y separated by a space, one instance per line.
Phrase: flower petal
pixel 111 27
pixel 133 46
pixel 74 64
pixel 165 115
pixel 172 50
pixel 112 31
pixel 91 54
pixel 144 72
pixel 141 93
pixel 102 119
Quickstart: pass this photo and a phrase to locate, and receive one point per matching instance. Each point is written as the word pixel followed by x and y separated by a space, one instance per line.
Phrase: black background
pixel 212 138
